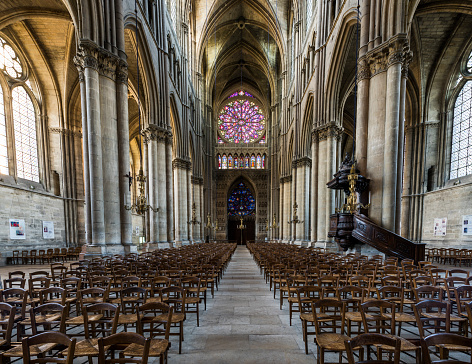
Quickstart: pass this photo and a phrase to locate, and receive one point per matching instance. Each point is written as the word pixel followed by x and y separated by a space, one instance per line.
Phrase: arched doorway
pixel 241 204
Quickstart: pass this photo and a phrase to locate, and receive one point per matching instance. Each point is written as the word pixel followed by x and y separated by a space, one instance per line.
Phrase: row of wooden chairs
pixel 452 256
pixel 318 285
pixel 43 256
pixel 74 293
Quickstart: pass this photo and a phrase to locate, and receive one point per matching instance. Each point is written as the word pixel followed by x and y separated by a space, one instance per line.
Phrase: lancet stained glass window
pixel 461 153
pixel 241 121
pixel 3 137
pixel 241 202
pixel 24 119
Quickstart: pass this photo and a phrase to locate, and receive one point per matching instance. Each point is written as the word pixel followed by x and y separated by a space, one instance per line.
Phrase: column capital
pixel 301 162
pixel 157 133
pixel 286 179
pixel 181 163
pixel 330 130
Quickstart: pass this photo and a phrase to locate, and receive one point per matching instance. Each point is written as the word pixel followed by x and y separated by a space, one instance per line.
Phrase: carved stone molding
pixel 394 51
pixel 329 131
pixel 157 133
pixel 301 162
pixel 63 131
pixel 286 179
pixel 196 180
pixel 122 72
pixel 181 163
pixel 432 124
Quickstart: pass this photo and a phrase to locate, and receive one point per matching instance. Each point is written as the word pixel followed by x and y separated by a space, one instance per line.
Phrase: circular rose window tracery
pixel 241 121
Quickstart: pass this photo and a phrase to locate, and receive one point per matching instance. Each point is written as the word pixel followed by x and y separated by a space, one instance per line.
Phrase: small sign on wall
pixel 17 229
pixel 48 230
pixel 440 226
pixel 467 225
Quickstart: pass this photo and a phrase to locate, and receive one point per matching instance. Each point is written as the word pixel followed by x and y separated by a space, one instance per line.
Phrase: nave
pixel 243 323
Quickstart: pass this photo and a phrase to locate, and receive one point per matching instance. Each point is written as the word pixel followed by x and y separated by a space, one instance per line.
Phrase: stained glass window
pixel 219 161
pixel 253 161
pixel 241 202
pixel 9 60
pixel 3 137
pixel 263 161
pixel 24 119
pixel 241 121
pixel 258 162
pixel 236 162
pixel 240 93
pixel 230 162
pixel 263 140
pixel 224 162
pixel 246 161
pixel 461 153
pixel 173 12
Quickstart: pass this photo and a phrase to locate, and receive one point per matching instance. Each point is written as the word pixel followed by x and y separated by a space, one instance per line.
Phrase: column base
pixel 93 251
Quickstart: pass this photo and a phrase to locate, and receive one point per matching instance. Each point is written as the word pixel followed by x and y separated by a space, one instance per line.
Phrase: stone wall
pixel 34 207
pixel 451 202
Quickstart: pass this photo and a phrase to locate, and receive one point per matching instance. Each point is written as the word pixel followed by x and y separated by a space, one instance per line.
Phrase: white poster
pixel 17 229
pixel 467 225
pixel 48 230
pixel 440 226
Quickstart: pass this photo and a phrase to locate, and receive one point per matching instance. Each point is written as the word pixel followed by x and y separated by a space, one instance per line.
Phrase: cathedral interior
pixel 136 125
pixel 289 145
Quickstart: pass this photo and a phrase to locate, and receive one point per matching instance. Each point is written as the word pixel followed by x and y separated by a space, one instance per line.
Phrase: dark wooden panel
pixel 386 241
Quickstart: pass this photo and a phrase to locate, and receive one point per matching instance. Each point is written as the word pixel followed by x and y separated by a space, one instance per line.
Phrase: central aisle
pixel 242 324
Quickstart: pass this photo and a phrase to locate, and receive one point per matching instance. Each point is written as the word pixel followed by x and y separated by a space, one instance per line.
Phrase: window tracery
pixel 241 202
pixel 461 146
pixel 19 116
pixel 241 121
pixel 241 161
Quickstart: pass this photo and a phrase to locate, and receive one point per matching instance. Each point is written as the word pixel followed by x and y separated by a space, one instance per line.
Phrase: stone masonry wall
pixel 33 207
pixel 452 203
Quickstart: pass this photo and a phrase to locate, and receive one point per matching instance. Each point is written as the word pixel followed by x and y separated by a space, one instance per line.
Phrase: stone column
pixel 407 190
pixel 123 148
pixel 281 211
pixel 153 184
pixel 87 205
pixel 392 117
pixel 169 190
pixel 110 164
pixel 180 167
pixel 362 119
pixel 314 186
pixel 87 58
pixel 161 186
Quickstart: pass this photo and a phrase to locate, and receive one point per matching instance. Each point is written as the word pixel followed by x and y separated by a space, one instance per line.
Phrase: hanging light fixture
pixel 141 205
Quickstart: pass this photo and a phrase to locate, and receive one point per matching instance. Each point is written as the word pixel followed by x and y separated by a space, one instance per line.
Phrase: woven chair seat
pixel 307 317
pixel 153 299
pixel 405 345
pixel 176 317
pixel 454 318
pixel 17 351
pixel 192 300
pixel 40 319
pixel 128 319
pixel 353 316
pixel 332 341
pixel 79 320
pixel 157 348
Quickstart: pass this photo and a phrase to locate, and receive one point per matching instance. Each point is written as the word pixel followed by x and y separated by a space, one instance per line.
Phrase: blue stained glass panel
pixel 241 202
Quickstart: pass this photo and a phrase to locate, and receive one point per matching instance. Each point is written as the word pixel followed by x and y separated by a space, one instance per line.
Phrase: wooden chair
pixel 353 297
pixel 100 320
pixel 131 298
pixel 42 343
pixel 153 321
pixel 18 298
pixel 364 342
pixel 329 325
pixel 425 293
pixel 51 316
pixel 446 340
pixel 192 299
pixel 432 317
pixel 379 317
pixel 132 348
pixel 7 322
pixel 15 282
pixel 396 295
pixel 175 297
pixel 15 258
pixel 307 296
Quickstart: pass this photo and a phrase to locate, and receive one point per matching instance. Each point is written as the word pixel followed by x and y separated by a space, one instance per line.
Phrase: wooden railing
pixel 387 242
